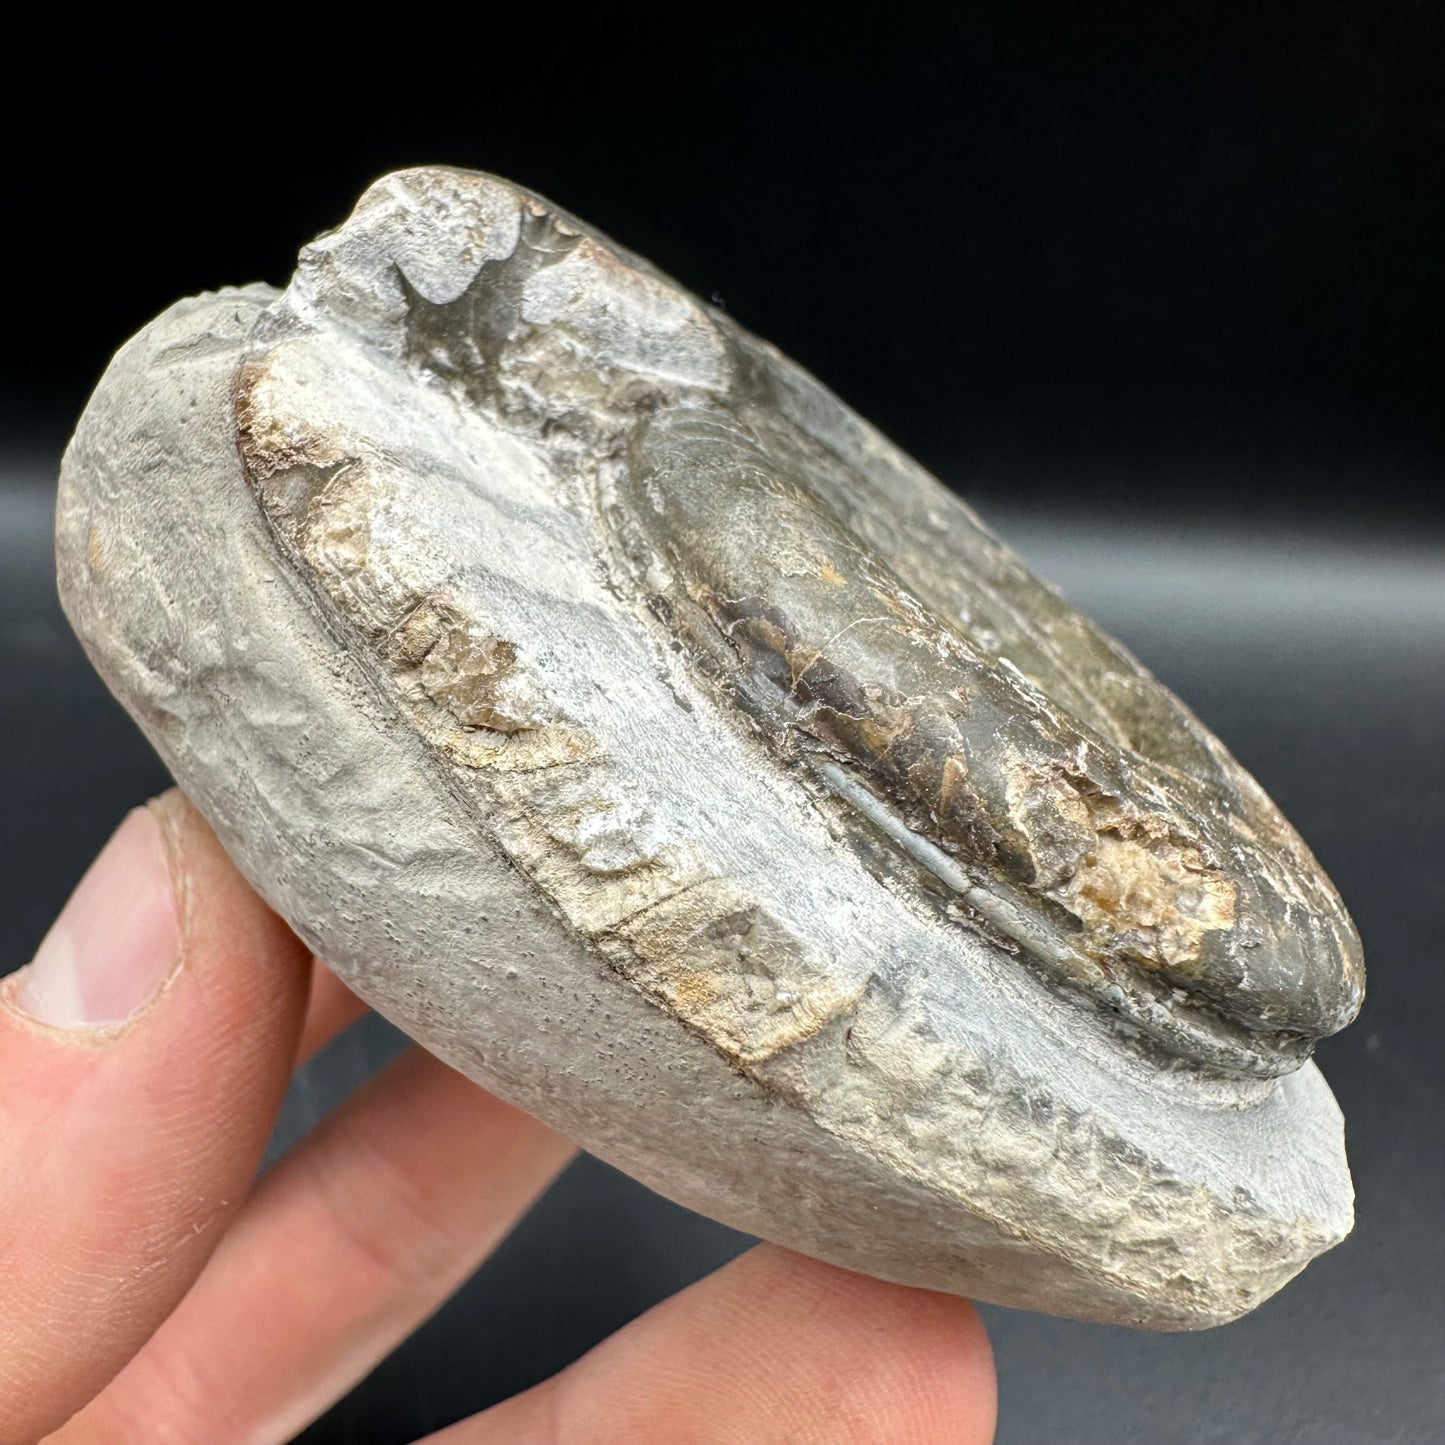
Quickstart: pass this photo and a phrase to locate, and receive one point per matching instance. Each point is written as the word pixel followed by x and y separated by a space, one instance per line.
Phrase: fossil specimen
pixel 631 723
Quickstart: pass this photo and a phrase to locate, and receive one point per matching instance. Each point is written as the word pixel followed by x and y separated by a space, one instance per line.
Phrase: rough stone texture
pixel 628 721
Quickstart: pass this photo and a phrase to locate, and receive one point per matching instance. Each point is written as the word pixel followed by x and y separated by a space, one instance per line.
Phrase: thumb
pixel 143 1055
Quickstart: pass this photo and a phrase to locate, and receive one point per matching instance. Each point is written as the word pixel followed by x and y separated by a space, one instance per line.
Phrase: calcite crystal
pixel 632 724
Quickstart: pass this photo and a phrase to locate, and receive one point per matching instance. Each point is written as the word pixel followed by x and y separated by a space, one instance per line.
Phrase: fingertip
pixel 942 1361
pixel 908 1366
pixel 774 1347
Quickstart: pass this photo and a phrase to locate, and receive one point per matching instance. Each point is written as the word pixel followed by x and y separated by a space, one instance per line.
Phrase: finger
pixel 773 1349
pixel 143 1057
pixel 347 1245
pixel 330 1009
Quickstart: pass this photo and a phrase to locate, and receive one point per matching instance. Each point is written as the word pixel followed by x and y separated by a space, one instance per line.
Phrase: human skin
pixel 143 1058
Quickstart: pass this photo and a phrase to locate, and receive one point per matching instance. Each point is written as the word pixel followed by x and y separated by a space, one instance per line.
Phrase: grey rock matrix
pixel 627 720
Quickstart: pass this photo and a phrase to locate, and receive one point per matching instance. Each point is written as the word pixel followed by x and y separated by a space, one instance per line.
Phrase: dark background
pixel 1160 290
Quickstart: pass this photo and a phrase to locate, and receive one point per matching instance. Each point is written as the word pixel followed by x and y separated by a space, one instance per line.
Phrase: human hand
pixel 149 1293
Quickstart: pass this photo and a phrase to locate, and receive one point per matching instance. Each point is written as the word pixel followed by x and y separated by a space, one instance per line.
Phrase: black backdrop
pixel 1160 290
pixel 1041 248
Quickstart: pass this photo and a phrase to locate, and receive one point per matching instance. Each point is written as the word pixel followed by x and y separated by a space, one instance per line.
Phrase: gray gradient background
pixel 1161 289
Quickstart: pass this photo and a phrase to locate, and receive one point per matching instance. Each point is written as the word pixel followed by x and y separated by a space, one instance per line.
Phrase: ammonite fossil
pixel 630 722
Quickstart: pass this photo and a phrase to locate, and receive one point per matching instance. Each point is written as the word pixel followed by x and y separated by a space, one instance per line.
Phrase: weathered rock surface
pixel 638 729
